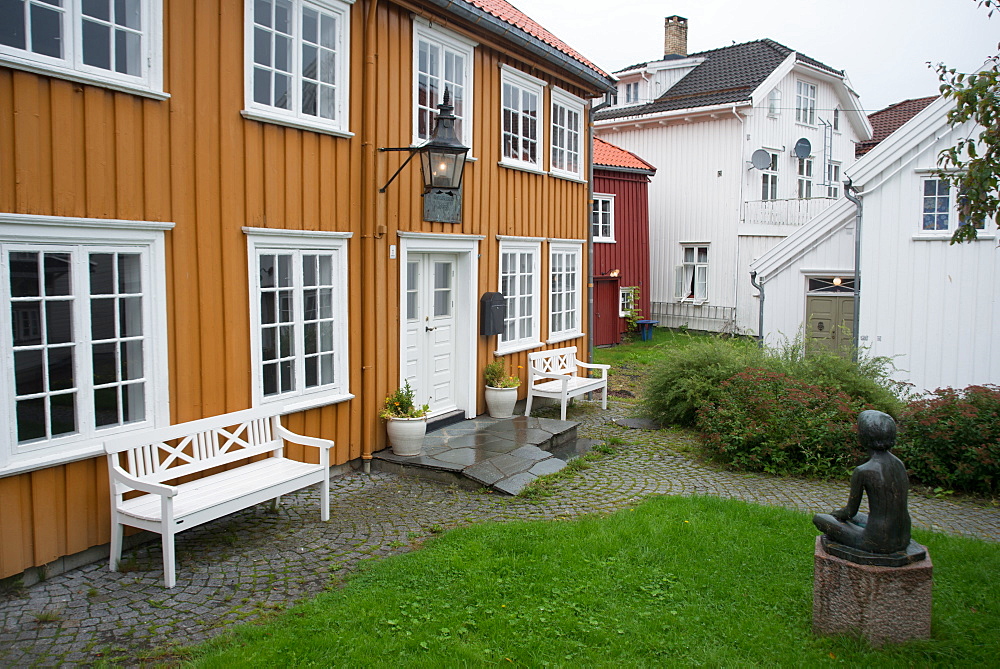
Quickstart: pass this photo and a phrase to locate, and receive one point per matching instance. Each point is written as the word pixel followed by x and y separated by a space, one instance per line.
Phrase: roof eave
pixel 501 29
pixel 673 114
pixel 631 170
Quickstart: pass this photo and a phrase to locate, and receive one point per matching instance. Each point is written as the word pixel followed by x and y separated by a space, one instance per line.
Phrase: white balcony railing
pixel 784 212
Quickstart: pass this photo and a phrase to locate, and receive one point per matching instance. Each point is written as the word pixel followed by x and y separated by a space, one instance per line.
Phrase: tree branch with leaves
pixel 972 165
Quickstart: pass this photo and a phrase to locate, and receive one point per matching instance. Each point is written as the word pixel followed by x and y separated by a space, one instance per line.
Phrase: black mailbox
pixel 492 312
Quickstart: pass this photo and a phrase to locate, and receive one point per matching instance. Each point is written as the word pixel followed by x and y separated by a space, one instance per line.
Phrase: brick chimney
pixel 675 36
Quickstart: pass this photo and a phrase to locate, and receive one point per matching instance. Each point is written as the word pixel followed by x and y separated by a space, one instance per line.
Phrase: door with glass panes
pixel 430 329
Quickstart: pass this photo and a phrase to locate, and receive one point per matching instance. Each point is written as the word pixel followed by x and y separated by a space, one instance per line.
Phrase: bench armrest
pixel 604 368
pixel 121 476
pixel 295 438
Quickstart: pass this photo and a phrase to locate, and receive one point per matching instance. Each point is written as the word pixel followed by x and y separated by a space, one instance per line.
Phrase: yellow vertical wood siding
pixel 71 149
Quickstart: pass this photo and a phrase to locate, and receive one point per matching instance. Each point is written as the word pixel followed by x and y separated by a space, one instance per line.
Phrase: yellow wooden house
pixel 191 224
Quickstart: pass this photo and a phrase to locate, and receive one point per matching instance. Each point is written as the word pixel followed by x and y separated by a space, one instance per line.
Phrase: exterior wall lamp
pixel 442 163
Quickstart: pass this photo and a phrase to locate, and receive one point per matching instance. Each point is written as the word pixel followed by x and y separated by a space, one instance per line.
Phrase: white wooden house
pixel 930 305
pixel 700 118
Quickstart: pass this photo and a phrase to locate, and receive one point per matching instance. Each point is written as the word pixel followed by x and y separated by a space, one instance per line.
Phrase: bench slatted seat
pixel 149 461
pixel 555 374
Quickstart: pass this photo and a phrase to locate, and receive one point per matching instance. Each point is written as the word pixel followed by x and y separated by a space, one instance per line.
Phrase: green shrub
pixel 952 439
pixel 762 420
pixel 684 379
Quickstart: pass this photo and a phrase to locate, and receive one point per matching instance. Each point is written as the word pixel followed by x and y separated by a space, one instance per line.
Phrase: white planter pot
pixel 406 435
pixel 500 401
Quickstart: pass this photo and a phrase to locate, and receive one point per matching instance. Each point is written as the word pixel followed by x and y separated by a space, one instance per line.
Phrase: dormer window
pixel 632 92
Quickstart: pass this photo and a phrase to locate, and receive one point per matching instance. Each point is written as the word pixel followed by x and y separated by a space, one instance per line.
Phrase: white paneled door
pixel 430 329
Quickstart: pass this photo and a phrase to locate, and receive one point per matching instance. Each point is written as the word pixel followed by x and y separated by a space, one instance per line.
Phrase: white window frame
pixel 566 248
pixel 263 241
pixel 836 119
pixel 774 103
pixel 566 138
pixel 694 270
pixel 531 339
pixel 805 178
pixel 295 117
pixel 769 179
pixel 597 210
pixel 631 90
pixel 71 66
pixel 523 84
pixel 805 102
pixel 833 180
pixel 953 217
pixel 626 301
pixel 80 237
pixel 446 41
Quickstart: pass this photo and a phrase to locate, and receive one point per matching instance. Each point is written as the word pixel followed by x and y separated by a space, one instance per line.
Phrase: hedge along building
pixel 191 224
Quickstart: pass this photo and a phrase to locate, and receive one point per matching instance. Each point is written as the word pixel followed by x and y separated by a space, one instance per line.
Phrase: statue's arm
pixel 854 501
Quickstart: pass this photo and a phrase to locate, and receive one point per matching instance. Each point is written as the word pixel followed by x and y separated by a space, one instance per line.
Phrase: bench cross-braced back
pixel 555 374
pixel 253 439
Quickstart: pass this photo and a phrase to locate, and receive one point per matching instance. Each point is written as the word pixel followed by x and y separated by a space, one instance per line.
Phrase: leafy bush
pixel 762 420
pixel 952 439
pixel 684 379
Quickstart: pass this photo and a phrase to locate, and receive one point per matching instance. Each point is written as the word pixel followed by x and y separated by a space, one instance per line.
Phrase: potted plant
pixel 406 423
pixel 501 389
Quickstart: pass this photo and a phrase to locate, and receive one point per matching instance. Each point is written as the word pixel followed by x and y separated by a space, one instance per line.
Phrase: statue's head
pixel 876 430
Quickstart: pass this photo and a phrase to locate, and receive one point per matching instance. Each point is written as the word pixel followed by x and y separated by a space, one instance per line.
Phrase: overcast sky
pixel 883 45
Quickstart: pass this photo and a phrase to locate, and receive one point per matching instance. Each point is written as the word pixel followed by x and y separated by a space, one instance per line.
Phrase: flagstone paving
pixel 257 562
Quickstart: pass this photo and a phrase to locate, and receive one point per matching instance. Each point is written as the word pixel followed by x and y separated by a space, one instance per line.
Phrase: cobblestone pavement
pixel 256 562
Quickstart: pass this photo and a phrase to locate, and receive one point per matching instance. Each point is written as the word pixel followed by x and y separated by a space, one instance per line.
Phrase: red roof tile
pixel 609 155
pixel 887 121
pixel 508 13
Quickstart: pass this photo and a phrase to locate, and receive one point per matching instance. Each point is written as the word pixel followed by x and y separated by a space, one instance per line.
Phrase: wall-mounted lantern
pixel 442 163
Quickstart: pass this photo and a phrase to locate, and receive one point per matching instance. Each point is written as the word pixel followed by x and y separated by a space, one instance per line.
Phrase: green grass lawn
pixel 674 582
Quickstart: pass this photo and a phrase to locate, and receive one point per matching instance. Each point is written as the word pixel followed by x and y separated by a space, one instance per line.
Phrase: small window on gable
pixel 441 59
pixel 774 102
pixel 836 118
pixel 805 102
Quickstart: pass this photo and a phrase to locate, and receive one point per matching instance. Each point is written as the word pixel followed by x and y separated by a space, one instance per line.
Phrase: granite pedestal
pixel 881 604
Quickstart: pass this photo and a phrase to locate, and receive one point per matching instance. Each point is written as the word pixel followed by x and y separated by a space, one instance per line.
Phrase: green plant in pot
pixel 501 389
pixel 406 422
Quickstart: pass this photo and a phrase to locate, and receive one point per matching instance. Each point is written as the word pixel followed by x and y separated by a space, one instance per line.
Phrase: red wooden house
pixel 621 240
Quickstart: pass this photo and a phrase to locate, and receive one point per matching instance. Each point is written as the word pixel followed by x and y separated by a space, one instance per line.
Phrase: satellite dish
pixel 761 159
pixel 803 148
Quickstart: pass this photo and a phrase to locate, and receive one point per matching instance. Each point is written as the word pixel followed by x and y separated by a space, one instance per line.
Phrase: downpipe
pixel 760 315
pixel 856 335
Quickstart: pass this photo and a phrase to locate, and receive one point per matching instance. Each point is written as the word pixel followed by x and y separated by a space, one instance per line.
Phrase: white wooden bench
pixel 148 461
pixel 555 374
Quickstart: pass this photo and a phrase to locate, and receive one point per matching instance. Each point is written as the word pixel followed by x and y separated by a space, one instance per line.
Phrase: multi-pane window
pixel 940 208
pixel 833 180
pixel 521 113
pixel 602 218
pixel 519 284
pixel 297 55
pixel 774 102
pixel 104 41
pixel 805 102
pixel 567 125
pixel 441 60
pixel 626 301
pixel 82 333
pixel 805 170
pixel 565 272
pixel 632 92
pixel 769 180
pixel 299 320
pixel 691 281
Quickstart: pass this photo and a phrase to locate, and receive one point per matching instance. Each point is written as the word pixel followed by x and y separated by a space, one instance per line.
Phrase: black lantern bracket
pixel 442 155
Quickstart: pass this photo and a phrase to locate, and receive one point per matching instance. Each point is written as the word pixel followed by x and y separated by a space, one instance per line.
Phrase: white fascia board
pixel 674 114
pixel 759 95
pixel 807 237
pixel 933 119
